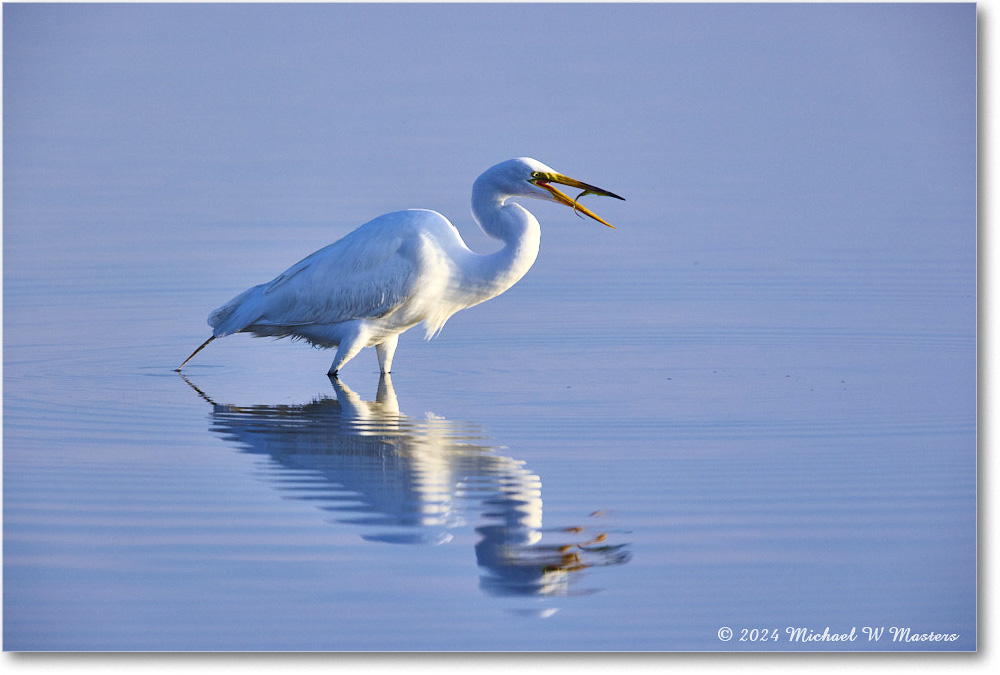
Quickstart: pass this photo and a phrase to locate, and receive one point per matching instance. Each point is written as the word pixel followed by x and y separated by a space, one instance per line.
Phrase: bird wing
pixel 367 274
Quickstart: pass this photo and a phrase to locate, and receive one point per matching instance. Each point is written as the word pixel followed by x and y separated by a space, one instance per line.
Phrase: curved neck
pixel 513 225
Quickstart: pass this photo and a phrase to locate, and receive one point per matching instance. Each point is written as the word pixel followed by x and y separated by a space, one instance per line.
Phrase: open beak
pixel 544 180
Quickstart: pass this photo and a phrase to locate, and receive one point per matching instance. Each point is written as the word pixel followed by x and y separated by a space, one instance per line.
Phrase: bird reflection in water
pixel 411 481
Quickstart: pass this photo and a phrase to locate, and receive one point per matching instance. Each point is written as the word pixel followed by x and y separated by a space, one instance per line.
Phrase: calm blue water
pixel 751 406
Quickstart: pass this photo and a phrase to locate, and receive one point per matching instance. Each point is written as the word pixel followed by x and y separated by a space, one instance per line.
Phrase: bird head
pixel 530 178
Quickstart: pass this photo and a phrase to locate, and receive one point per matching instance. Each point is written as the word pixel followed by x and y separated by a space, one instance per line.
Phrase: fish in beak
pixel 544 179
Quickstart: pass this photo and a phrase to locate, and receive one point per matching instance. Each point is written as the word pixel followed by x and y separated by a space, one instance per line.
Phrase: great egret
pixel 401 269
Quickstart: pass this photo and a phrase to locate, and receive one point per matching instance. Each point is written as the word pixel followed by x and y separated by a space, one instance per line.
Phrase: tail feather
pixel 237 314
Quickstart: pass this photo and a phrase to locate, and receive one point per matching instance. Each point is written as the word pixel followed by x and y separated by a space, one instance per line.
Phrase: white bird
pixel 402 269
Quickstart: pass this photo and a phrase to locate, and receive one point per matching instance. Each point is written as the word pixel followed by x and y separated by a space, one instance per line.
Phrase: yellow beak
pixel 544 180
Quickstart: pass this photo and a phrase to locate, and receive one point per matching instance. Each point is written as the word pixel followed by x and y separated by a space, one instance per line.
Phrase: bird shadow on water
pixel 402 480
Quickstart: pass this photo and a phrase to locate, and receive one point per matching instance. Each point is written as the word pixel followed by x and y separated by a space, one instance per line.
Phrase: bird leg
pixel 349 347
pixel 385 350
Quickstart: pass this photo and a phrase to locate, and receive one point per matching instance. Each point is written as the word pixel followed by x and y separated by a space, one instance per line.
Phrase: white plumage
pixel 401 269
